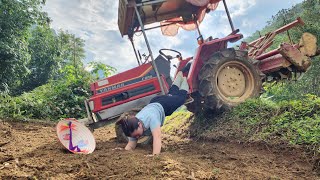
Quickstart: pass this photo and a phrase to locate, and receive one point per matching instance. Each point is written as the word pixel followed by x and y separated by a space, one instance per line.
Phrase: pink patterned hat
pixel 75 136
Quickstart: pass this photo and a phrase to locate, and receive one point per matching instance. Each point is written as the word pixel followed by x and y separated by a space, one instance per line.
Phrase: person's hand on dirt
pixel 117 149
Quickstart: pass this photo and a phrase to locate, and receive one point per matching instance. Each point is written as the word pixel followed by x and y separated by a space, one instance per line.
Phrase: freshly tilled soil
pixel 31 150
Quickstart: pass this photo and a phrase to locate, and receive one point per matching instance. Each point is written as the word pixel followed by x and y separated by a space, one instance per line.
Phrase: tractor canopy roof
pixel 172 14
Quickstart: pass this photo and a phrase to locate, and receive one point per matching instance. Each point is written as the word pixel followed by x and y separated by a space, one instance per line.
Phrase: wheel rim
pixel 235 82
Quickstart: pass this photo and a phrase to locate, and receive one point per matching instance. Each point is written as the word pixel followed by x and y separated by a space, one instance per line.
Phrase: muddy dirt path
pixel 32 151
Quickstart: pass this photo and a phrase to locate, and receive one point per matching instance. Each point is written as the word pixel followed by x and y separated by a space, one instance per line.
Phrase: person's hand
pixel 117 149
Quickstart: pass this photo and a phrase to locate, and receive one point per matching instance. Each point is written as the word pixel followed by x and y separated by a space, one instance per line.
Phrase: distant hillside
pixel 307 10
pixel 310 83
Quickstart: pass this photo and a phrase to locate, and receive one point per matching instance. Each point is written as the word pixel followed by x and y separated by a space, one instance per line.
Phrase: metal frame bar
pixel 284 28
pixel 228 14
pixel 90 118
pixel 149 49
pixel 135 51
pixel 150 3
pixel 150 28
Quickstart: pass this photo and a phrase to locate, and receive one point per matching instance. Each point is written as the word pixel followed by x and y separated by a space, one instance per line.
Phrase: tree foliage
pixel 98 67
pixel 44 63
pixel 42 74
pixel 53 56
pixel 16 17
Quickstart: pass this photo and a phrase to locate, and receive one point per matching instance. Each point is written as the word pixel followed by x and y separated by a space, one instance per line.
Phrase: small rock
pixel 17 160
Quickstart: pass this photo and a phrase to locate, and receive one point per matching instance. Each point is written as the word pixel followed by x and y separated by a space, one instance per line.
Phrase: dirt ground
pixel 32 151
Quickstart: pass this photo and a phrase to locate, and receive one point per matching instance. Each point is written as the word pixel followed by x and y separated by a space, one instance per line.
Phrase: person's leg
pixel 175 98
pixel 178 80
pixel 184 85
pixel 173 89
pixel 171 102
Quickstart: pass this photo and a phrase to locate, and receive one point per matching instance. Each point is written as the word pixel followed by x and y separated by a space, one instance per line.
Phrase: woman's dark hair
pixel 128 124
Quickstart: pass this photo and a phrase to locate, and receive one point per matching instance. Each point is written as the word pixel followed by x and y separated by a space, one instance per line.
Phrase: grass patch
pixel 294 121
pixel 177 122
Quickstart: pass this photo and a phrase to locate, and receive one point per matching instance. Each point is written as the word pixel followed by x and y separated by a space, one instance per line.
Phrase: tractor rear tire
pixel 122 138
pixel 228 78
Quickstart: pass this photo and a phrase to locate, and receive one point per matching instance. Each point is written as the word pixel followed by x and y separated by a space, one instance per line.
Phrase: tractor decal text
pixel 117 86
pixel 110 88
pixel 146 77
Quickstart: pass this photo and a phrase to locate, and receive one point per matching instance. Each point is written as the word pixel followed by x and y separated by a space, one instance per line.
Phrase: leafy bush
pixel 51 101
pixel 295 121
pixel 299 121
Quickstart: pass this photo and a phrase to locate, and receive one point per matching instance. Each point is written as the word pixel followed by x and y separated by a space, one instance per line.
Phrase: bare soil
pixel 32 151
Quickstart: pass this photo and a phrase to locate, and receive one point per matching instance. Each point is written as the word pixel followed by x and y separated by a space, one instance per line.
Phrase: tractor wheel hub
pixel 231 82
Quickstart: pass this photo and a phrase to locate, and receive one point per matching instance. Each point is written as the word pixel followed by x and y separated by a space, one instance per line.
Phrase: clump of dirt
pixel 31 150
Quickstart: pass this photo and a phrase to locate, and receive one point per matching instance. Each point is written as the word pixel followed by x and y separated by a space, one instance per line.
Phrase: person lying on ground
pixel 150 119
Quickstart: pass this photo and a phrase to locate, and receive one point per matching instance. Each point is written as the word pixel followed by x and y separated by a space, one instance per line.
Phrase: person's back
pixel 150 119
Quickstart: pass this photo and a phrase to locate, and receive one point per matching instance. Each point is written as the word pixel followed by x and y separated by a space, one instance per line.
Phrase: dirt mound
pixel 32 151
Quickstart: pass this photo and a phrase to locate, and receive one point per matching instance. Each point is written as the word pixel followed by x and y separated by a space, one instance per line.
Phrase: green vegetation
pixel 42 74
pixel 51 101
pixel 16 19
pixel 178 121
pixel 293 121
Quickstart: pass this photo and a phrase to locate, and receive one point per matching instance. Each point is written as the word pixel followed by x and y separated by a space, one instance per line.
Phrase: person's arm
pixel 156 133
pixel 131 145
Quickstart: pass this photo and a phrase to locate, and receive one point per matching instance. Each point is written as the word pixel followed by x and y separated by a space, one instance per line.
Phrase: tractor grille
pixel 127 94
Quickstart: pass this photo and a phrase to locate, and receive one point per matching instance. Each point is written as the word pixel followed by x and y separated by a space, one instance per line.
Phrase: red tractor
pixel 218 76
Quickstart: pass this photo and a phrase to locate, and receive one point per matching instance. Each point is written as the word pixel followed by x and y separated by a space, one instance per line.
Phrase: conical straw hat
pixel 75 136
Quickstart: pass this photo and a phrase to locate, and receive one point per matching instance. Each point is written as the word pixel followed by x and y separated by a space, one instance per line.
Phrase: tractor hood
pixel 171 14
